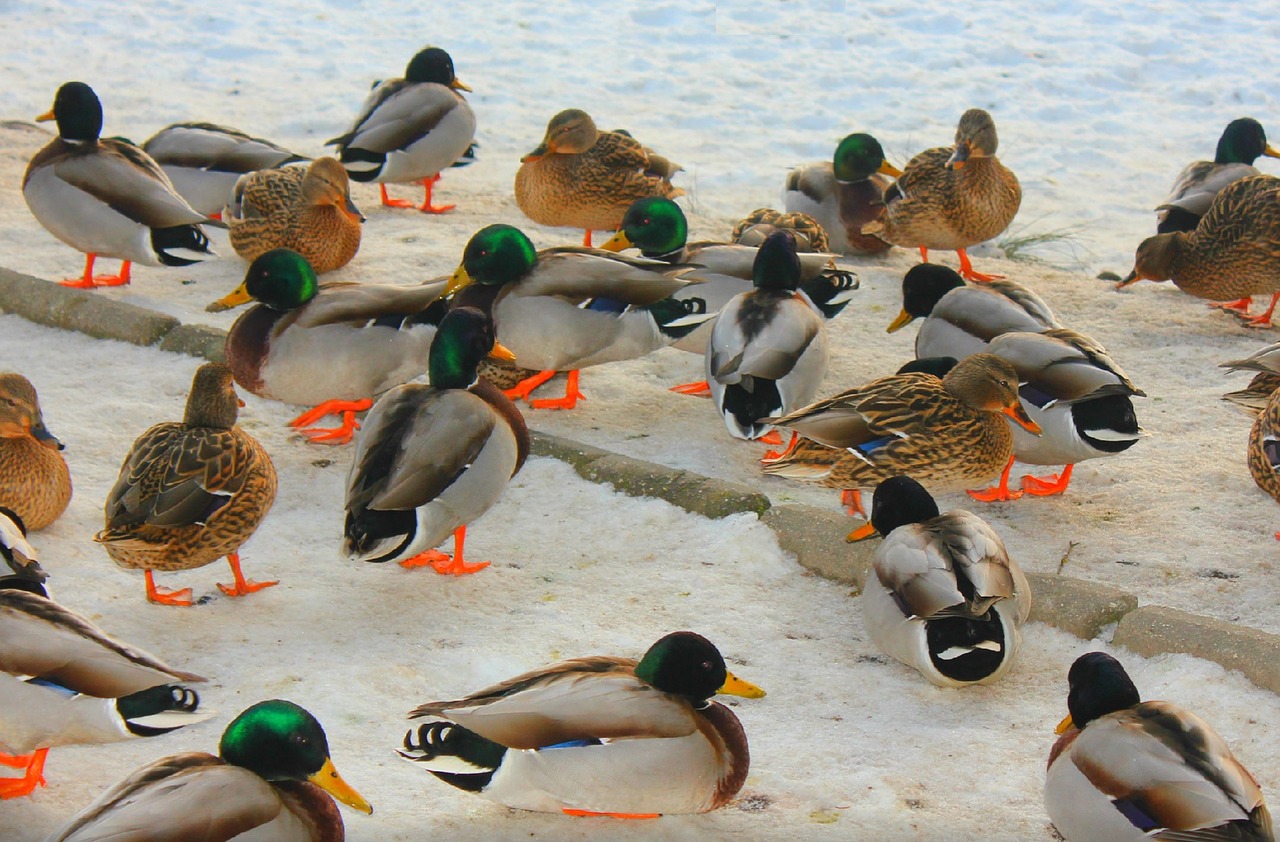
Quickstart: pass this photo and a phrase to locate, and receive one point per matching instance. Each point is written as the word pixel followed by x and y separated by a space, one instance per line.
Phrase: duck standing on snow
pixel 845 194
pixel 271 779
pixel 581 177
pixel 34 479
pixel 203 160
pixel 597 735
pixel 191 491
pixel 410 129
pixel 108 197
pixel 1196 186
pixel 1125 770
pixel 431 459
pixel 946 598
pixel 952 197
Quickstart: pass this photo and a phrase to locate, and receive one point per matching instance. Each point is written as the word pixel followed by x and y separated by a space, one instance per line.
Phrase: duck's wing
pixel 1062 365
pixel 890 406
pixel 921 175
pixel 352 302
pixel 215 148
pixel 397 114
pixel 1200 182
pixel 1265 359
pixel 919 565
pixel 578 274
pixel 127 180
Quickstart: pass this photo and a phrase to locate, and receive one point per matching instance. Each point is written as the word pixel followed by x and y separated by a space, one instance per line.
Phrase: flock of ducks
pixel 998 379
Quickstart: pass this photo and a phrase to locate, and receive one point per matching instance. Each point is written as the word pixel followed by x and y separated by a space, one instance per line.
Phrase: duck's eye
pixel 645 221
pixel 1004 383
pixel 706 665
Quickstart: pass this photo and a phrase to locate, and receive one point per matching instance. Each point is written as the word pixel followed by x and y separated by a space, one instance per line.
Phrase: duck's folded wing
pixel 1199 184
pixel 125 178
pixel 888 407
pixel 578 274
pixel 215 148
pixel 1062 365
pixel 352 302
pixel 405 115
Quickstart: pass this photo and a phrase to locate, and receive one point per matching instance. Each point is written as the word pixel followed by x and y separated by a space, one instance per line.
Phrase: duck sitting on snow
pixel 34 479
pixel 845 193
pixel 752 229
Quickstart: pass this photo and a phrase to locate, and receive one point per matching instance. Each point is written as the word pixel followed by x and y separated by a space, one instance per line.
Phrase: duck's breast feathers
pixel 1062 365
pixel 207 146
pixel 920 563
pixel 355 303
pixel 41 638
pixel 578 274
pixel 398 113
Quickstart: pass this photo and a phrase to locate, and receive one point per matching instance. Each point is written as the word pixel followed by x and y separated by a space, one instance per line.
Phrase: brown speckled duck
pixel 753 228
pixel 581 177
pixel 952 197
pixel 1233 254
pixel 1264 448
pixel 34 479
pixel 190 492
pixel 308 210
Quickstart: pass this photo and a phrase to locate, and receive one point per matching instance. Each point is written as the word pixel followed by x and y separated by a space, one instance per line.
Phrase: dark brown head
pixel 989 383
pixel 213 401
pixel 1156 258
pixel 975 138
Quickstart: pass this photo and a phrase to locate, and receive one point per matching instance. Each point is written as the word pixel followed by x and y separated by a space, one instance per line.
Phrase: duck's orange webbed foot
pixel 1264 320
pixel 571 396
pixel 771 455
pixel 89 280
pixel 33 776
pixel 526 387
pixel 1047 486
pixel 851 499
pixel 1240 306
pixel 970 274
pixel 341 434
pixel 450 565
pixel 571 812
pixel 426 206
pixel 1001 493
pixel 242 586
pixel 700 389
pixel 388 202
pixel 166 596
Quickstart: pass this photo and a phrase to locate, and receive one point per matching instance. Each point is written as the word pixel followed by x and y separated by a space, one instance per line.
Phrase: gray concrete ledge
pixel 81 310
pixel 1077 606
pixel 1156 630
pixel 816 537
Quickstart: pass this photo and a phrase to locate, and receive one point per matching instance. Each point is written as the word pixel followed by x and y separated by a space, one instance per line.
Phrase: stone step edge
pixel 813 535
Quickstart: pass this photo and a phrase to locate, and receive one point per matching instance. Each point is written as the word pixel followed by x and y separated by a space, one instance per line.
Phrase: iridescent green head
pixel 282 279
pixel 860 156
pixel 654 225
pixel 496 255
pixel 1242 141
pixel 78 112
pixel 777 266
pixel 464 338
pixel 687 664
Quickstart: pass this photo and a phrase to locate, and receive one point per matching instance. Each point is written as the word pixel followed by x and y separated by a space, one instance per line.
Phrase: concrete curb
pixel 814 536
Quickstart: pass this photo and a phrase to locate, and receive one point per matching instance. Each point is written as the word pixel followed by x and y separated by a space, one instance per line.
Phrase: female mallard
pixel 34 479
pixel 108 197
pixel 767 353
pixel 597 735
pixel 307 210
pixel 333 346
pixel 1233 254
pixel 752 229
pixel 541 302
pixel 1264 448
pixel 946 598
pixel 431 459
pixel 271 779
pixel 1253 398
pixel 410 129
pixel 190 492
pixel 581 177
pixel 952 197
pixel 64 682
pixel 204 160
pixel 1125 770
pixel 1196 186
pixel 947 433
pixel 845 194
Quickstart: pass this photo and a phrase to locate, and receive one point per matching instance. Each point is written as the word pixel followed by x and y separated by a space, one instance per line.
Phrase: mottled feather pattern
pixel 1265 431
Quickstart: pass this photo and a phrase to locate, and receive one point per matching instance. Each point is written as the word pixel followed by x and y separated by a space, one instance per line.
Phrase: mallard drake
pixel 410 129
pixel 761 222
pixel 1194 189
pixel 845 193
pixel 333 345
pixel 271 779
pixel 597 736
pixel 1253 398
pixel 767 353
pixel 190 492
pixel 946 598
pixel 540 301
pixel 581 177
pixel 309 211
pixel 108 197
pixel 946 433
pixel 432 459
pixel 203 160
pixel 1233 254
pixel 1126 770
pixel 34 479
pixel 952 197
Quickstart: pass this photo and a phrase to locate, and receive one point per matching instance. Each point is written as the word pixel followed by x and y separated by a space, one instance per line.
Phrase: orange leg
pixel 524 388
pixel 586 240
pixel 851 499
pixel 242 586
pixel 1265 319
pixel 571 812
pixel 164 596
pixel 969 273
pixel 1044 487
pixel 334 435
pixel 571 396
pixel 700 389
pixel 1240 306
pixel 924 254
pixel 426 206
pixel 771 455
pixel 89 280
pixel 1000 493
pixel 771 437
pixel 389 202
pixel 32 777
pixel 451 565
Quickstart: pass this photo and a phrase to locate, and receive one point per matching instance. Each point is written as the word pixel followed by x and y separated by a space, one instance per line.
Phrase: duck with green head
pixel 845 193
pixel 333 346
pixel 1242 142
pixel 598 735
pixel 271 779
pixel 106 197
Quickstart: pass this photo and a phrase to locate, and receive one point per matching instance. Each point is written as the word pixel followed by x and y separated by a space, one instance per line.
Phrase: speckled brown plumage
pixel 34 480
pixel 753 228
pixel 1264 448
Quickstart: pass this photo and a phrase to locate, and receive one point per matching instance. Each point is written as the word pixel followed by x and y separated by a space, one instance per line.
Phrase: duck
pixel 64 681
pixel 204 160
pixel 331 346
pixel 845 193
pixel 945 599
pixel 952 197
pixel 598 735
pixel 35 481
pixel 272 778
pixel 308 210
pixel 761 222
pixel 432 458
pixel 1241 143
pixel 767 353
pixel 1232 255
pixel 190 492
pixel 1253 398
pixel 108 198
pixel 581 177
pixel 411 128
pixel 1125 770
pixel 1263 454
pixel 540 301
pixel 947 433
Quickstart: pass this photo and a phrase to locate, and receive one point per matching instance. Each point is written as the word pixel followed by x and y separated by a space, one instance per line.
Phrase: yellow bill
pixel 458 280
pixel 887 168
pixel 331 782
pixel 458 85
pixel 46 116
pixel 1064 726
pixel 904 319
pixel 239 295
pixel 861 533
pixel 502 352
pixel 734 686
pixel 617 242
